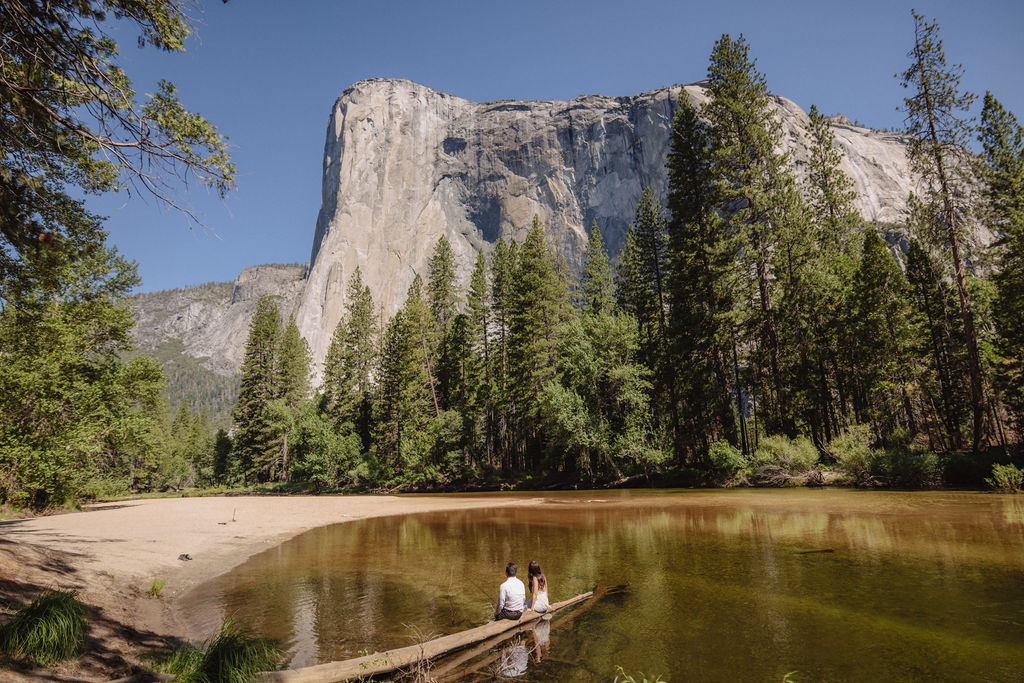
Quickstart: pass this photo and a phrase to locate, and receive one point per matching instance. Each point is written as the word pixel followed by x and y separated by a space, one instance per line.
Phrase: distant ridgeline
pixel 198 333
pixel 188 381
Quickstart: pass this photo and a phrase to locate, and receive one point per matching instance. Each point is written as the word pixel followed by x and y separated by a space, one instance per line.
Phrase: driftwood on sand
pixel 392 660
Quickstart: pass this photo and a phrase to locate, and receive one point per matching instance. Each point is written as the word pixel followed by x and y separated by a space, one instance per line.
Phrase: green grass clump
pixel 156 588
pixel 622 677
pixel 50 629
pixel 229 657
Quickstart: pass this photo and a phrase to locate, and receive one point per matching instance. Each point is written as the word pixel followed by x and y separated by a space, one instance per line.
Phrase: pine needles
pixel 50 629
pixel 230 657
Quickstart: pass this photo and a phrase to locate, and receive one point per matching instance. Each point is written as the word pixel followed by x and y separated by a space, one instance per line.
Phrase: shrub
pixel 795 455
pixel 724 456
pixel 50 629
pixel 100 488
pixel 907 468
pixel 229 657
pixel 853 452
pixel 1006 478
pixel 156 588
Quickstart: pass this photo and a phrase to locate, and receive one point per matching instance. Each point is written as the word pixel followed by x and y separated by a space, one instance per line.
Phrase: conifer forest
pixel 753 330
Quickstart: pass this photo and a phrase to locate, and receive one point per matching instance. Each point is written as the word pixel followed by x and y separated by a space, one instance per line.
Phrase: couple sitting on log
pixel 512 594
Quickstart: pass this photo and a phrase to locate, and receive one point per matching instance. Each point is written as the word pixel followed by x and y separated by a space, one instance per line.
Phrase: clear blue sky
pixel 267 73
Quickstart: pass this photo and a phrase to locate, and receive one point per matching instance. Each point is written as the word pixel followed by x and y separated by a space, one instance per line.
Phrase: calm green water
pixel 917 586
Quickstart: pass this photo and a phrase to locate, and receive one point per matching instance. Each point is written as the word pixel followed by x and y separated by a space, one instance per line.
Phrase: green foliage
pixel 50 629
pixel 853 452
pixel 1006 478
pixel 231 656
pixel 941 343
pixel 292 367
pixel 538 307
pixel 156 588
pixel 1002 138
pixel 323 454
pixel 830 191
pixel 441 296
pixel 69 118
pixel 907 468
pixel 104 488
pixel 882 337
pixel 795 455
pixel 727 458
pixel 255 445
pixel 938 130
pixel 69 408
pixel 597 280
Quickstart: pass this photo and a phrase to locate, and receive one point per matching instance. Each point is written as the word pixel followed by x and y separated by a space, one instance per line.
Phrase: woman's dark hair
pixel 534 570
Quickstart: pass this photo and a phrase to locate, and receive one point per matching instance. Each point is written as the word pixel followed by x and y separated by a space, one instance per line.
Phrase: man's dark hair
pixel 511 569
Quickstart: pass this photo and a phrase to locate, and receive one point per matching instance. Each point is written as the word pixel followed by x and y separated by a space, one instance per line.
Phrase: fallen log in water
pixel 392 660
pixel 454 668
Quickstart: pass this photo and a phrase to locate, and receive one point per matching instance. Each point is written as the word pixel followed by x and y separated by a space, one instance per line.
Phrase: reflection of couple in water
pixel 512 594
pixel 511 605
pixel 515 658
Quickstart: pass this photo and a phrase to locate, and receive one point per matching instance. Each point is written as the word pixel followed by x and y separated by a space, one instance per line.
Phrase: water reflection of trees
pixel 708 584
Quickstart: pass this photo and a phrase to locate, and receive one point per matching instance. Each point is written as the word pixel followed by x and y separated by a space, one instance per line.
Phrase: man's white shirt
pixel 512 595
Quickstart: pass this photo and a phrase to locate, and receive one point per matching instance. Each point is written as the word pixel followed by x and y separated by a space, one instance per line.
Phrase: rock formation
pixel 212 320
pixel 404 164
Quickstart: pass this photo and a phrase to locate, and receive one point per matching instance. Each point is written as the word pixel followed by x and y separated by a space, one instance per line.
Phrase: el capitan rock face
pixel 404 164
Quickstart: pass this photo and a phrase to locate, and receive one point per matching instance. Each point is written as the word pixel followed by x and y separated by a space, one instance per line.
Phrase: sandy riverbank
pixel 111 553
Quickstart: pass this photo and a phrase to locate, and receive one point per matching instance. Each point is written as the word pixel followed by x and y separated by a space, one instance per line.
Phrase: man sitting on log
pixel 511 595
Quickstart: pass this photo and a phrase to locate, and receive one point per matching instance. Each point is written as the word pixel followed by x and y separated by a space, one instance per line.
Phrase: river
pixel 736 585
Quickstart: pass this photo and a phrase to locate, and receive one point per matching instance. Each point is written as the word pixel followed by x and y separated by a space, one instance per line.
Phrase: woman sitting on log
pixel 538 588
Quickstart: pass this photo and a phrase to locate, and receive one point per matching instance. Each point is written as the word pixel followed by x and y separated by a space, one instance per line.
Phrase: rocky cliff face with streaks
pixel 404 164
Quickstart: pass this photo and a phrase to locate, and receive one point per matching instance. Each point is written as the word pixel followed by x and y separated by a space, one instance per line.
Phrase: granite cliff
pixel 404 164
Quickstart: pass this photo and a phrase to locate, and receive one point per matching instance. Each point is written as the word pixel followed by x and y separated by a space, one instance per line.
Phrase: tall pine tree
pixel 254 446
pixel 350 360
pixel 1002 139
pixel 538 307
pixel 939 130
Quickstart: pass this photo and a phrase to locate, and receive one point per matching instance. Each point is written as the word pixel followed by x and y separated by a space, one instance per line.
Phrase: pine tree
pixel 883 339
pixel 292 366
pixel 441 296
pixel 441 285
pixel 350 360
pixel 705 291
pixel 504 263
pixel 424 331
pixel 538 307
pixel 597 281
pixel 1002 139
pixel 254 445
pixel 838 234
pixel 403 405
pixel 755 196
pixel 479 372
pixel 943 343
pixel 643 292
pixel 939 132
pixel 292 389
pixel 830 191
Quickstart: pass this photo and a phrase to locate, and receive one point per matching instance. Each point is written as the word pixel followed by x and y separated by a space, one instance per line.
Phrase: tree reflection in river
pixel 723 585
